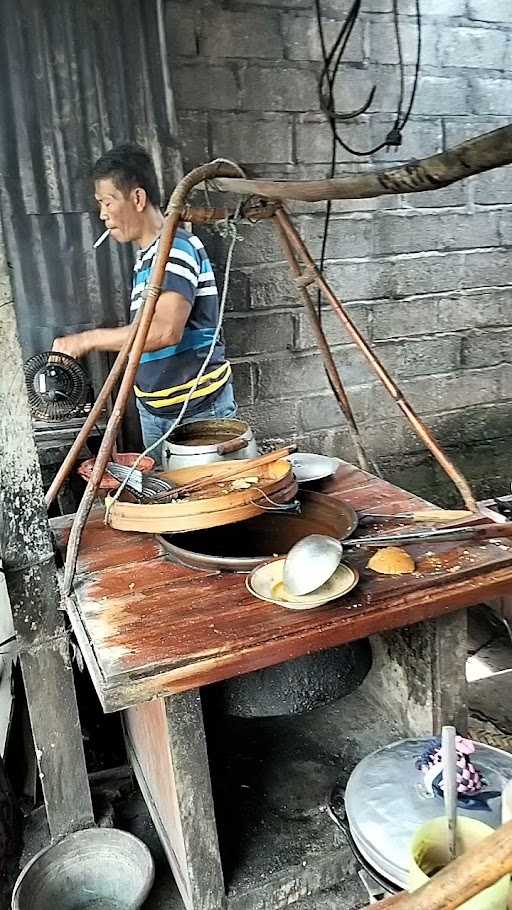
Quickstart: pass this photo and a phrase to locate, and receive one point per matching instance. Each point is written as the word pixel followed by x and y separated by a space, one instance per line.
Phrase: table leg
pixel 167 748
pixel 419 674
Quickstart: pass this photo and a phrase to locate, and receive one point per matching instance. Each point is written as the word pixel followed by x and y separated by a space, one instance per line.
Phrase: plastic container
pixel 94 869
pixel 429 854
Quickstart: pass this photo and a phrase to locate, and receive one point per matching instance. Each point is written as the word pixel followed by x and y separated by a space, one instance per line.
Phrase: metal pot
pixel 207 441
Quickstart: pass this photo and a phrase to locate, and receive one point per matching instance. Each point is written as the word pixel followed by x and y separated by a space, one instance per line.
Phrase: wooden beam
pixel 31 577
pixel 167 747
pixel 475 156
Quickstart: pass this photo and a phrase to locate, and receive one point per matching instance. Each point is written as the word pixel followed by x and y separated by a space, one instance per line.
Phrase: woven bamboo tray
pixel 275 481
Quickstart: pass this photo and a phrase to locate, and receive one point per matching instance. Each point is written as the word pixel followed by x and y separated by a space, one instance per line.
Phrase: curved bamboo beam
pixel 138 340
pixel 475 156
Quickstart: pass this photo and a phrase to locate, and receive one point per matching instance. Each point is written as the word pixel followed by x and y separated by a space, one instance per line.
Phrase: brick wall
pixel 427 277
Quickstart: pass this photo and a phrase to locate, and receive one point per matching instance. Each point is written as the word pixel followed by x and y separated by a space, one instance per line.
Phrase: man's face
pixel 122 214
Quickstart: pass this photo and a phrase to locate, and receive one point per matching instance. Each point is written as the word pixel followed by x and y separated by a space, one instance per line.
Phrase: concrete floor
pixel 489 671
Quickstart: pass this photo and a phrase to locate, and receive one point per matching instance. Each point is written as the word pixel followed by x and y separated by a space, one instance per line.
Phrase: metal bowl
pixel 307 466
pixel 100 868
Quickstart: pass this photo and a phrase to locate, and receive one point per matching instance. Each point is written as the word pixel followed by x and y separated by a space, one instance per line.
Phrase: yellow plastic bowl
pixel 429 854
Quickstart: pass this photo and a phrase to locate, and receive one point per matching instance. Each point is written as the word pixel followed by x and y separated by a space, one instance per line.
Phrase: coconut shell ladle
pixel 312 560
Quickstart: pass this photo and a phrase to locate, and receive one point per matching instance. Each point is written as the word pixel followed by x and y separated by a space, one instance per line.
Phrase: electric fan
pixel 57 386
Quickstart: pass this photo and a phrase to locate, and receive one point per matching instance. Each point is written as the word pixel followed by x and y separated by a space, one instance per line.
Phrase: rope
pixel 231 230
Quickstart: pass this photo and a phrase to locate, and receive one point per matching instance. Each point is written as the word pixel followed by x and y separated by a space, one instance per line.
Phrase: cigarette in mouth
pixel 100 240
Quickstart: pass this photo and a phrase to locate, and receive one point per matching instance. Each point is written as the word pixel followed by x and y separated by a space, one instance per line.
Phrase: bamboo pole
pixel 108 387
pixel 473 872
pixel 416 422
pixel 153 290
pixel 475 156
pixel 325 351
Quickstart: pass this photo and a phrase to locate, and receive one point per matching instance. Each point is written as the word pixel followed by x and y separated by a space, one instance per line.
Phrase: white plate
pixel 307 466
pixel 263 580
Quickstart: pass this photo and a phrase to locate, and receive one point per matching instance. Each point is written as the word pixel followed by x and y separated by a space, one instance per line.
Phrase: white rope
pixel 232 229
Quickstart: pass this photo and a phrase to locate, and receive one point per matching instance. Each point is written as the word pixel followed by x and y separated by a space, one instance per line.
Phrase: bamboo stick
pixel 108 387
pixel 173 217
pixel 417 424
pixel 328 359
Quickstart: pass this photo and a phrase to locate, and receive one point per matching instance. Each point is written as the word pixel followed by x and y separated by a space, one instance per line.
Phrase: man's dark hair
pixel 129 166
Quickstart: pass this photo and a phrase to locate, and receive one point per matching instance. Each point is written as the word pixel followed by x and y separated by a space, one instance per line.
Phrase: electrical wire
pixel 328 78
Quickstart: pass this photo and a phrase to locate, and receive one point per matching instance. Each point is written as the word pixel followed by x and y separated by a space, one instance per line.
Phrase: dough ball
pixel 391 561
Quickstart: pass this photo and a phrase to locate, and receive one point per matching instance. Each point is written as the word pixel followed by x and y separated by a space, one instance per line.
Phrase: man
pixel 183 325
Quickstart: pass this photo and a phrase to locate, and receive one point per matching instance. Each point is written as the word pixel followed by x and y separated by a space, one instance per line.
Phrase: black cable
pixel 416 68
pixel 326 95
pixel 328 211
pixel 7 641
pixel 400 64
pixel 394 136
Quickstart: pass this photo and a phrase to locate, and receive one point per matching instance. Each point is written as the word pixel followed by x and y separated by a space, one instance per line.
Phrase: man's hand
pixel 74 345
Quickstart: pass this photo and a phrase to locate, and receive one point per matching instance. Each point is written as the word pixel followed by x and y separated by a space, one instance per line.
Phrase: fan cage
pixel 57 386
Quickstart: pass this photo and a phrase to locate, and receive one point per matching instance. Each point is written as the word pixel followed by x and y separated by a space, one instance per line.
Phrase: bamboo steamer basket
pixel 276 481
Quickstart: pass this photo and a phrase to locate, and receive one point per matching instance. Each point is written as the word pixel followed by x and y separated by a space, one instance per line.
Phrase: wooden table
pixel 152 633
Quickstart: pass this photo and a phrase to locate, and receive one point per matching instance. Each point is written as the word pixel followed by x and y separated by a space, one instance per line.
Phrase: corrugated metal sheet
pixel 76 78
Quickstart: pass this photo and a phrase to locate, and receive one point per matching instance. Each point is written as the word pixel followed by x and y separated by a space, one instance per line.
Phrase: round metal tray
pixel 386 801
pixel 307 466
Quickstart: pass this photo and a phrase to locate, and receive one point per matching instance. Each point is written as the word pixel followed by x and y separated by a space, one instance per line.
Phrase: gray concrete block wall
pixel 427 277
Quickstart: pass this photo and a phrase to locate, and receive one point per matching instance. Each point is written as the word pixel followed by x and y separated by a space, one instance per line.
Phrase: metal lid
pixel 387 800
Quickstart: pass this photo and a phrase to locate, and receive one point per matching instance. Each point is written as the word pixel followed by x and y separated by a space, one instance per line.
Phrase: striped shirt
pixel 165 376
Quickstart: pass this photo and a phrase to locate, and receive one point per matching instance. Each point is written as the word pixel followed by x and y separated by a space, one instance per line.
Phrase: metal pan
pixel 242 546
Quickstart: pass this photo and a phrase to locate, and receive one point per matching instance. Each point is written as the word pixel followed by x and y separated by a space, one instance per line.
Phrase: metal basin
pixel 242 546
pixel 94 869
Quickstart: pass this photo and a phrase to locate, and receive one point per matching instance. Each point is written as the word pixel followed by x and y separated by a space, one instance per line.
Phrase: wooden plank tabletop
pixel 148 627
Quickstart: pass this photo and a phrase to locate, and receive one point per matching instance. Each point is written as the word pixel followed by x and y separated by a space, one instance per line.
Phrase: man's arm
pixel 167 326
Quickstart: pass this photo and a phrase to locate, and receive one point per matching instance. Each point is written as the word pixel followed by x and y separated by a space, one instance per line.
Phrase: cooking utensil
pixel 386 801
pixel 222 506
pixel 449 758
pixel 117 469
pixel 312 560
pixel 308 466
pixel 240 548
pixel 145 487
pixel 200 442
pixel 266 583
pixel 420 515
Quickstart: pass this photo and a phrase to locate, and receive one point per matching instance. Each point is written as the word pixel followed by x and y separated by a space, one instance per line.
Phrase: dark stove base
pixel 295 685
pixel 272 779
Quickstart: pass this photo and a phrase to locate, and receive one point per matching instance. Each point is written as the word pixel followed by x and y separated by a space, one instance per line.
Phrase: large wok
pixel 242 546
